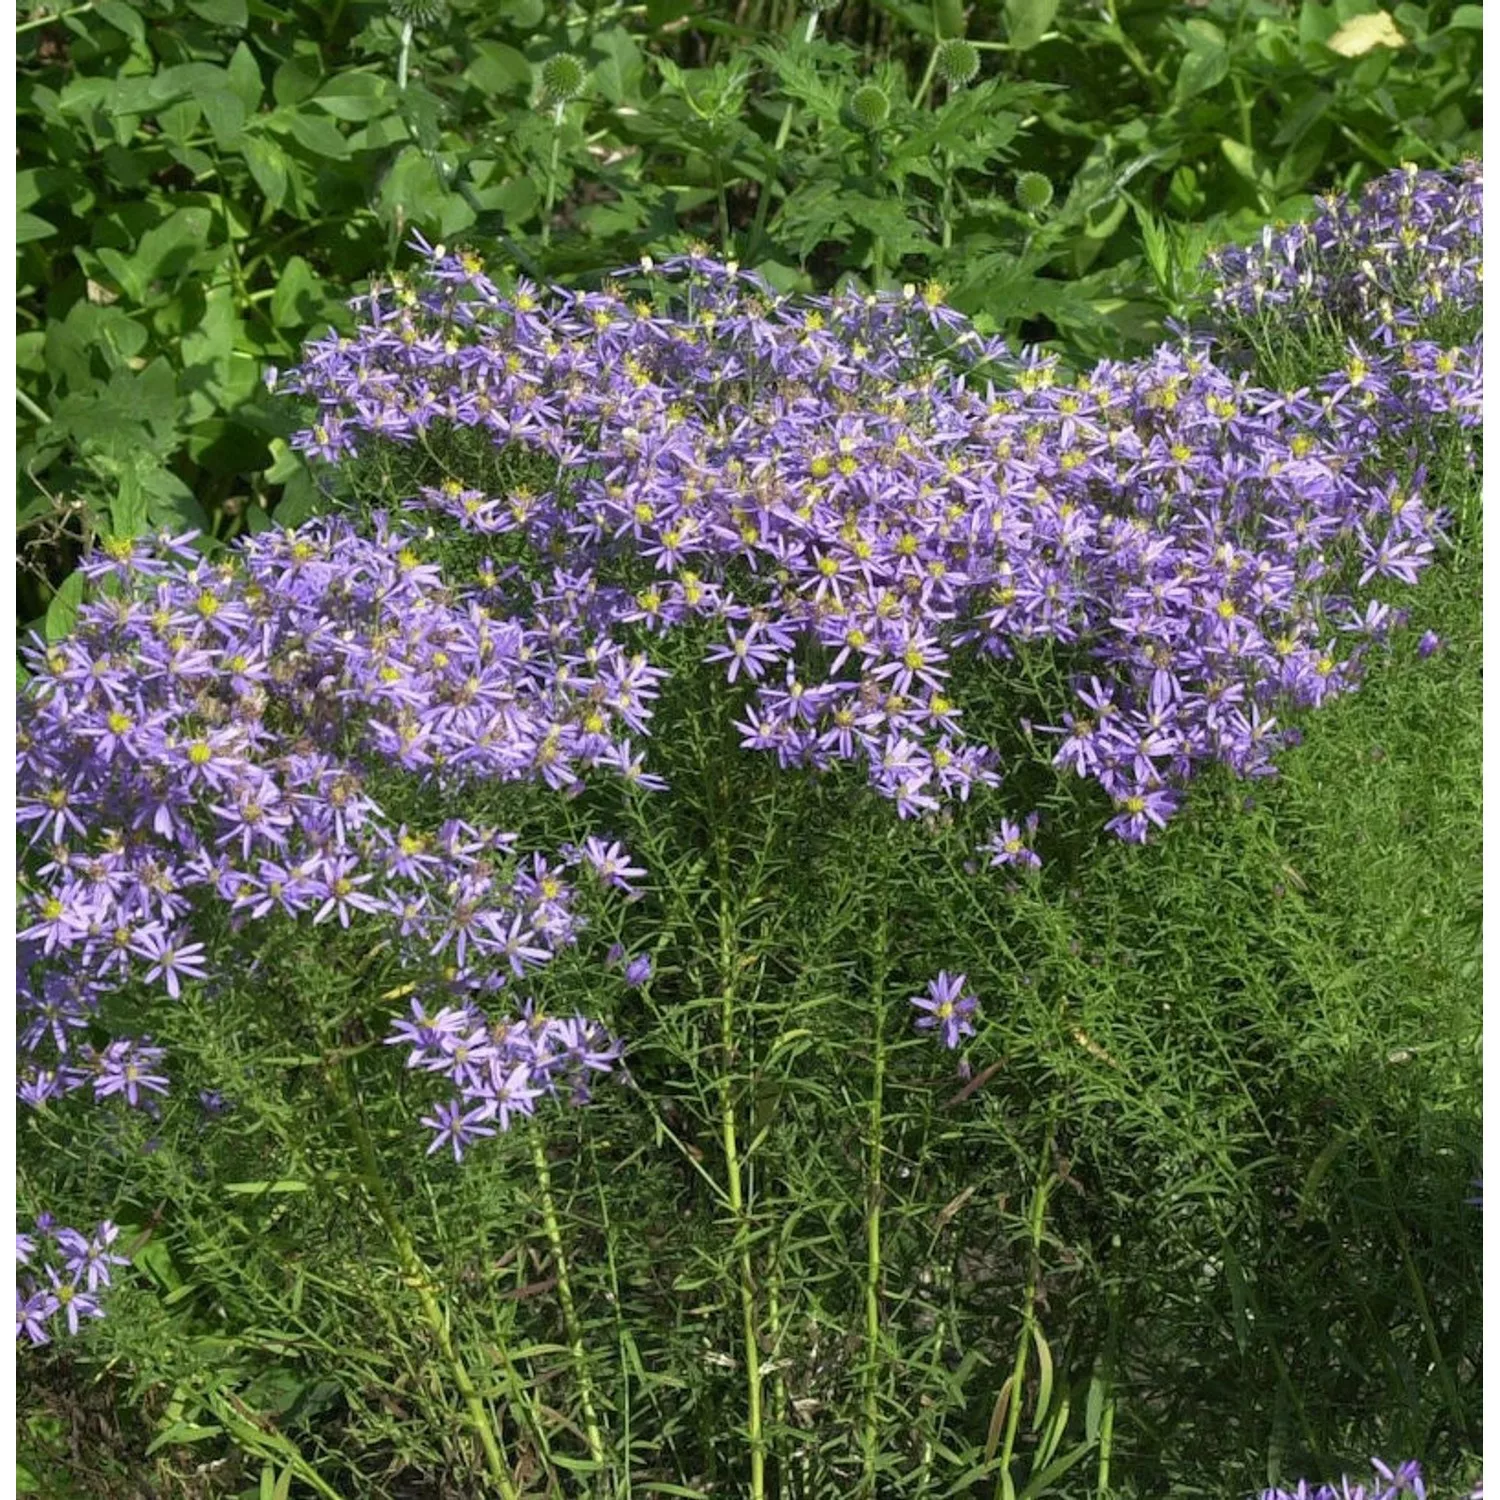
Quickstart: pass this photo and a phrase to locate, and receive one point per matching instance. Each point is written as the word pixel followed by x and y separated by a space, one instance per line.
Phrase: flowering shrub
pixel 619 569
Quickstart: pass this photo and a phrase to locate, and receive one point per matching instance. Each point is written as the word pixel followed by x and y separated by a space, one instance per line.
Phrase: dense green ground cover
pixel 1204 1183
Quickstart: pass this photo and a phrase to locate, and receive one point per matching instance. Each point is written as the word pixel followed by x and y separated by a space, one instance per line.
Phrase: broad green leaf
pixel 320 135
pixel 31 227
pixel 230 13
pixel 516 199
pixel 1200 71
pixel 122 17
pixel 62 611
pixel 1026 21
pixel 225 113
pixel 1466 18
pixel 269 166
pixel 621 68
pixel 1316 22
pixel 127 511
pixel 522 15
pixel 1243 160
pixel 497 69
pixel 356 96
pixel 295 80
pixel 298 297
pixel 244 78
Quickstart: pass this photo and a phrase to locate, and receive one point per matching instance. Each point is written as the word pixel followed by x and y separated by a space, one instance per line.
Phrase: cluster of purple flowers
pixel 1395 258
pixel 208 733
pixel 1387 1484
pixel 499 1071
pixel 66 1272
pixel 866 498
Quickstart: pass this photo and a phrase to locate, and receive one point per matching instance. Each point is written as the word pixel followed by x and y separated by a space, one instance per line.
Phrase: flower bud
pixel 957 62
pixel 1033 192
pixel 563 77
pixel 870 106
pixel 417 12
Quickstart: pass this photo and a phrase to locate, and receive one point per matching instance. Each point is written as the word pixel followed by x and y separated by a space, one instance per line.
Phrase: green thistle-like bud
pixel 563 77
pixel 417 12
pixel 957 62
pixel 1033 192
pixel 870 106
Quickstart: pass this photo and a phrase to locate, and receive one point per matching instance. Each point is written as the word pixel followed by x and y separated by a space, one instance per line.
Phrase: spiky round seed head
pixel 417 12
pixel 870 106
pixel 1033 192
pixel 563 77
pixel 957 62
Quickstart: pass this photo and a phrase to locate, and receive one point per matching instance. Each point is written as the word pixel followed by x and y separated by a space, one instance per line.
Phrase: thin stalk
pixel 871 1436
pixel 60 15
pixel 416 1276
pixel 727 973
pixel 1107 1417
pixel 557 119
pixel 763 198
pixel 926 82
pixel 1028 1322
pixel 405 57
pixel 32 407
pixel 565 1295
pixel 725 247
pixel 773 1324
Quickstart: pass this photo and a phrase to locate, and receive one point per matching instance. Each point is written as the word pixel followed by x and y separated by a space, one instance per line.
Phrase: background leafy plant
pixel 201 183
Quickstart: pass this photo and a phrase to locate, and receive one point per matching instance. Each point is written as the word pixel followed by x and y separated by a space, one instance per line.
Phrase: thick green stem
pixel 1028 1321
pixel 416 1276
pixel 565 1296
pixel 734 1185
pixel 871 1437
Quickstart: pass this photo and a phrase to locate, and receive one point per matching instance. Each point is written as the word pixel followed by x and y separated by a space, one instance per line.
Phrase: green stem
pixel 763 199
pixel 32 407
pixel 1028 1321
pixel 871 1443
pixel 1133 53
pixel 565 1295
pixel 60 15
pixel 404 58
pixel 1107 1417
pixel 557 119
pixel 926 82
pixel 727 971
pixel 417 1277
pixel 725 248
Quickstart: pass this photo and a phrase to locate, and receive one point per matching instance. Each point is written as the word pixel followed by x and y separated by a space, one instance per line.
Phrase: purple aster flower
pixel 1430 644
pixel 947 1008
pixel 452 1126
